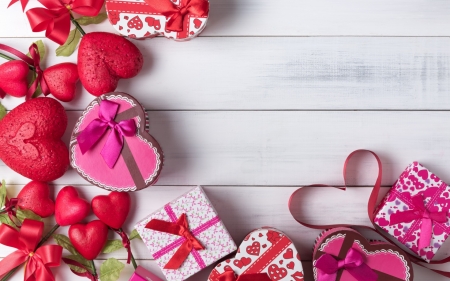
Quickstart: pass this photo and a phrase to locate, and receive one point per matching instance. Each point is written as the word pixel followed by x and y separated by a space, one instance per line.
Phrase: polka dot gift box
pixel 415 211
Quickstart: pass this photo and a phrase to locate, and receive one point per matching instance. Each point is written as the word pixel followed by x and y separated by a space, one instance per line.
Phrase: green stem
pixel 133 261
pixel 77 25
pixel 50 233
pixel 9 274
pixel 93 266
pixel 6 57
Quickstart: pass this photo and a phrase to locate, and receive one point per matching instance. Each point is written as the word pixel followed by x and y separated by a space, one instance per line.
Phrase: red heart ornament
pixel 13 78
pixel 30 139
pixel 35 196
pixel 112 209
pixel 89 239
pixel 69 208
pixel 267 260
pixel 104 59
pixel 290 265
pixel 61 80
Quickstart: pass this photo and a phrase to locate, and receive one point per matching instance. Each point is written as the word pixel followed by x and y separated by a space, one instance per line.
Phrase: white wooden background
pixel 274 95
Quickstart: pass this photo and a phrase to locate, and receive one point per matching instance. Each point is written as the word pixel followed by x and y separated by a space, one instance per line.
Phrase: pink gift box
pixel 142 274
pixel 204 224
pixel 415 211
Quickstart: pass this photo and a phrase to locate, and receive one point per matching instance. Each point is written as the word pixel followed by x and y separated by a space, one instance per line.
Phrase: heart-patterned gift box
pixel 266 250
pixel 186 235
pixel 342 254
pixel 110 145
pixel 415 211
pixel 180 20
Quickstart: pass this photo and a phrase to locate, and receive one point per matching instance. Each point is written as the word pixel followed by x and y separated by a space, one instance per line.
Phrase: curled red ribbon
pixel 180 228
pixel 10 209
pixel 230 276
pixel 35 62
pixel 86 274
pixel 177 15
pixel 419 212
pixel 25 241
pixel 125 241
pixel 56 16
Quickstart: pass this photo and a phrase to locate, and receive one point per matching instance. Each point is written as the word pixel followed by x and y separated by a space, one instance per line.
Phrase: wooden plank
pixel 290 148
pixel 283 73
pixel 297 18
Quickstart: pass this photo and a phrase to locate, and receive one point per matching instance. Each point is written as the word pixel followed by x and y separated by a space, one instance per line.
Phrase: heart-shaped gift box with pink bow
pixel 415 211
pixel 111 147
pixel 180 20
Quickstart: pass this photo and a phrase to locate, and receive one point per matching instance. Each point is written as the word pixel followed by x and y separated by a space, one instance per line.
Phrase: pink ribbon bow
pixel 420 212
pixel 353 263
pixel 98 127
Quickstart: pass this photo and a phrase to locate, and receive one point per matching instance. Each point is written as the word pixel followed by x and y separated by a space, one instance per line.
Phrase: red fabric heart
pixel 89 239
pixel 13 78
pixel 61 80
pixel 104 58
pixel 69 208
pixel 35 196
pixel 30 139
pixel 112 209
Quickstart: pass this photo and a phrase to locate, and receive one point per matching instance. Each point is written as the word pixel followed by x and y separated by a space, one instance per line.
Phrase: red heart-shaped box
pixel 141 158
pixel 266 250
pixel 387 261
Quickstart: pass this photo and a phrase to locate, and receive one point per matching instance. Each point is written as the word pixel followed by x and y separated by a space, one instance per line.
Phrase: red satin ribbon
pixel 23 2
pixel 230 276
pixel 34 61
pixel 25 241
pixel 55 17
pixel 177 14
pixel 180 228
pixel 126 242
pixel 10 209
pixel 86 274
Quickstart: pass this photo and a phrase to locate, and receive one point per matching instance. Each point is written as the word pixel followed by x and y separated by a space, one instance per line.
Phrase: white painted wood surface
pixel 274 95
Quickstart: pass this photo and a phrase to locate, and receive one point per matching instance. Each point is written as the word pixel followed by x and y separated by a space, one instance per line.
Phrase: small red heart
pixel 264 246
pixel 290 265
pixel 281 262
pixel 246 261
pixel 423 174
pixel 89 239
pixel 105 58
pixel 238 263
pixel 30 139
pixel 276 273
pixel 253 239
pixel 69 208
pixel 254 249
pixel 289 254
pixel 35 196
pixel 112 209
pixel 13 78
pixel 61 80
pixel 260 235
pixel 197 23
pixel 120 27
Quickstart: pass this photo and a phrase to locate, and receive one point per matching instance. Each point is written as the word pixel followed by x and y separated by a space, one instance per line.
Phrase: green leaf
pixel 134 234
pixel 64 242
pixel 4 219
pixel 41 49
pixel 112 246
pixel 71 44
pixel 2 114
pixel 3 186
pixel 110 270
pixel 81 260
pixel 22 214
pixel 92 20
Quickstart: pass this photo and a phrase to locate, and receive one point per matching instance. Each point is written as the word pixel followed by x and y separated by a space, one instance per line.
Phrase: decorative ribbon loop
pixel 25 241
pixel 177 14
pixel 126 242
pixel 180 228
pixel 420 212
pixel 230 276
pixel 353 263
pixel 10 206
pixel 56 16
pixel 98 127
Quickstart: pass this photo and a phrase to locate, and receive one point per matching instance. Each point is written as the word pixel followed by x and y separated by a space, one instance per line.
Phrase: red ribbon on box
pixel 25 241
pixel 230 276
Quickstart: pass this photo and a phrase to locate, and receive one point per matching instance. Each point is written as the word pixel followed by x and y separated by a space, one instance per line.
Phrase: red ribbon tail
pixel 86 274
pixel 180 256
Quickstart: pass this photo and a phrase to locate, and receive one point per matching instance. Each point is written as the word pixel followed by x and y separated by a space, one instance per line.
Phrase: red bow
pixel 25 241
pixel 34 61
pixel 180 228
pixel 420 212
pixel 177 14
pixel 55 18
pixel 230 276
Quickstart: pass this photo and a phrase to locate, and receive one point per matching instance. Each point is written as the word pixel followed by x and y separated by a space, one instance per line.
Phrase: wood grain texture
pixel 298 18
pixel 283 74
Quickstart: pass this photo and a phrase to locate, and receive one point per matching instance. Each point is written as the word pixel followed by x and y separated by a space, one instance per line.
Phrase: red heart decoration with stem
pixel 13 78
pixel 89 239
pixel 112 209
pixel 30 139
pixel 35 196
pixel 69 207
pixel 61 80
pixel 104 59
